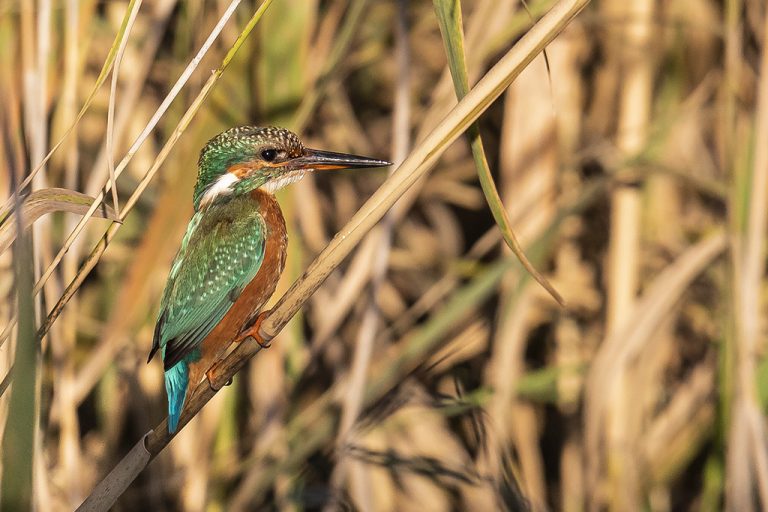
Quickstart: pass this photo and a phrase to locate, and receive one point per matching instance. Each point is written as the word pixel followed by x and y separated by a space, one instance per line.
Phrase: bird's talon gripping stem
pixel 253 332
pixel 210 374
pixel 213 380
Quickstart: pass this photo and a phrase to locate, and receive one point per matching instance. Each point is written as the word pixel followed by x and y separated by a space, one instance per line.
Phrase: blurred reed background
pixel 429 372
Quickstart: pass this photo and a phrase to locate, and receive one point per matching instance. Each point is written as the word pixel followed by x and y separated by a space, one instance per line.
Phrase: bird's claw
pixel 253 332
pixel 213 380
pixel 249 332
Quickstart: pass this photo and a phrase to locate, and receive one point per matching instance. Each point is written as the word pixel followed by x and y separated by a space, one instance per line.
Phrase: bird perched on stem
pixel 233 251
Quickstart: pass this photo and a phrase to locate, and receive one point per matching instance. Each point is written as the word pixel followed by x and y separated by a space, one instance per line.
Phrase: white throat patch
pixel 222 186
pixel 276 184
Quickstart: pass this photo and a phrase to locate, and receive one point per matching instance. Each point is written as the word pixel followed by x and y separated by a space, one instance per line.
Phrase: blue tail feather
pixel 176 380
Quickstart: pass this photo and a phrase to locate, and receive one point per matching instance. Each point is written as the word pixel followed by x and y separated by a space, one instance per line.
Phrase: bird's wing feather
pixel 169 285
pixel 217 259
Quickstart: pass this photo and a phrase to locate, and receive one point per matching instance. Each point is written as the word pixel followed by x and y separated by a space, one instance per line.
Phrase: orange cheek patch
pixel 241 170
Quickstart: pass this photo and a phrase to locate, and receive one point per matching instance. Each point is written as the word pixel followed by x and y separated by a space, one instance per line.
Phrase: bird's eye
pixel 269 155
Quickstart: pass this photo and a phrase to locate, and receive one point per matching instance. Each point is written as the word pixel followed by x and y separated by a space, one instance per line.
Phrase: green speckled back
pixel 221 253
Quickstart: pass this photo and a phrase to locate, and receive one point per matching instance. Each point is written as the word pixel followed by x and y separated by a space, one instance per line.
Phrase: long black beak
pixel 328 160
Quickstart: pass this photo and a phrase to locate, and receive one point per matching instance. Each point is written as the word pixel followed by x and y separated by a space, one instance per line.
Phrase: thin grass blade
pixel 449 17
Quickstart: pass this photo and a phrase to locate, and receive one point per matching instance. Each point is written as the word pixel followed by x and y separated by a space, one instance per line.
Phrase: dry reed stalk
pixel 735 484
pixel 70 449
pixel 661 229
pixel 748 448
pixel 37 87
pixel 634 109
pixel 572 275
pixel 109 139
pixel 681 427
pixel 623 347
pixel 43 496
pixel 738 479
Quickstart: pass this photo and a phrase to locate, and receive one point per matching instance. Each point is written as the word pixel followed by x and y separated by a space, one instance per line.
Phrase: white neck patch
pixel 222 186
pixel 276 184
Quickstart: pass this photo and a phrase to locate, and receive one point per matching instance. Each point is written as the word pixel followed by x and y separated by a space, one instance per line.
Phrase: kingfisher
pixel 233 251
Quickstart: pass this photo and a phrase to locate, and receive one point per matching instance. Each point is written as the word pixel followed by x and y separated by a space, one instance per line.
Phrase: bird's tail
pixel 176 380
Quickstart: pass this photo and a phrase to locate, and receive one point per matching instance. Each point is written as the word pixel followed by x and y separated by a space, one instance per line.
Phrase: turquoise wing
pixel 218 257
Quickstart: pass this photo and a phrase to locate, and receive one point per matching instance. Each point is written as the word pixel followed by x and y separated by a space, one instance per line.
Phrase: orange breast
pixel 254 295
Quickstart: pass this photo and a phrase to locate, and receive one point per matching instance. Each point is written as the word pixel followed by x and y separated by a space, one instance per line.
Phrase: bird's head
pixel 245 158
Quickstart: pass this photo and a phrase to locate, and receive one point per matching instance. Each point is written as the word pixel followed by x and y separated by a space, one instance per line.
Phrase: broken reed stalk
pixel 418 163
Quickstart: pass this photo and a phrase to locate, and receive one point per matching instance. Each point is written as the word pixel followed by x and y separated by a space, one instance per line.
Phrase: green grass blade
pixel 449 17
pixel 18 442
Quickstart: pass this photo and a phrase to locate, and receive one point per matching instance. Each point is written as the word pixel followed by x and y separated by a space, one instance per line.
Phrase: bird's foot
pixel 213 380
pixel 210 374
pixel 253 332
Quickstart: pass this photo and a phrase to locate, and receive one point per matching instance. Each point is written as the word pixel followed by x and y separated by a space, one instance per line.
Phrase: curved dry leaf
pixel 49 200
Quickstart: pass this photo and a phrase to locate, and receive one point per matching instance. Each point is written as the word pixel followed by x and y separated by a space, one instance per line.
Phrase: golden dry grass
pixel 428 371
